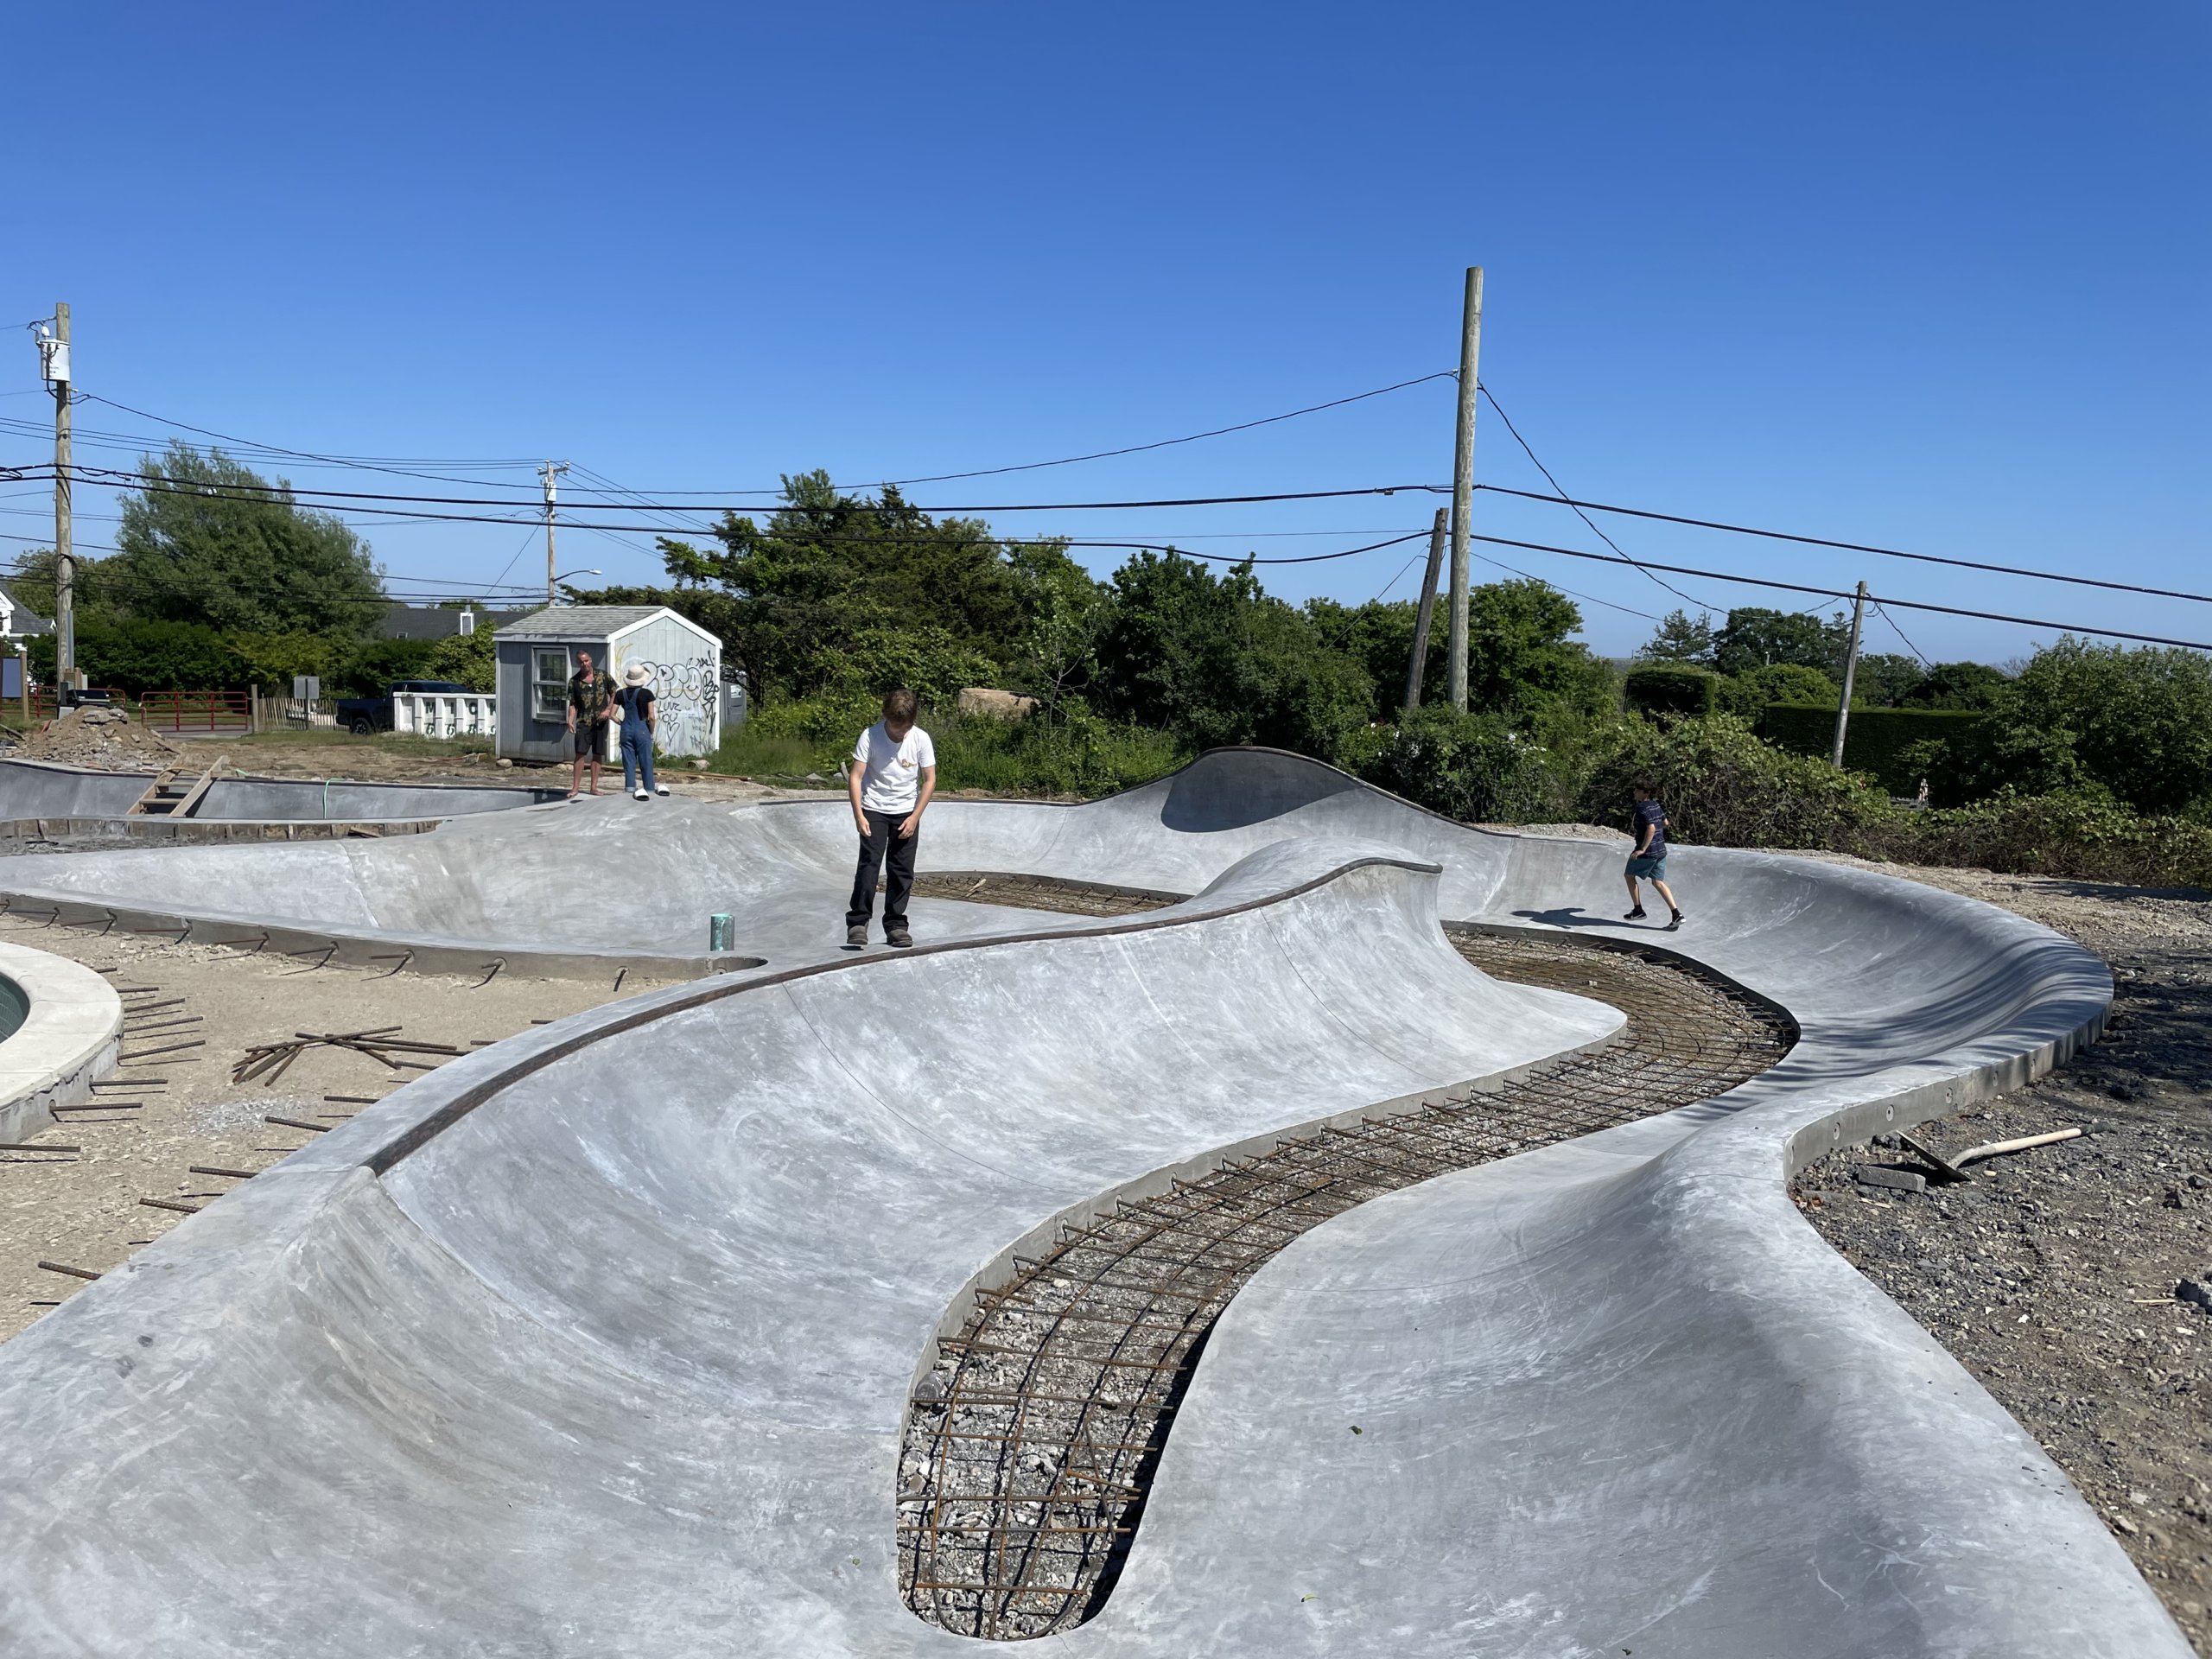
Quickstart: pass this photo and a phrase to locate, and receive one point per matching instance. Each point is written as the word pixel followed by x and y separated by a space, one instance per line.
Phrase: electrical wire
pixel 1834 593
pixel 1562 501
pixel 1901 634
pixel 1498 408
pixel 369 463
pixel 1169 443
pixel 1589 599
pixel 312 497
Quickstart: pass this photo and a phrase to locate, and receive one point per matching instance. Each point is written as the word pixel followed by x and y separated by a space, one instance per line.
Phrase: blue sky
pixel 1929 277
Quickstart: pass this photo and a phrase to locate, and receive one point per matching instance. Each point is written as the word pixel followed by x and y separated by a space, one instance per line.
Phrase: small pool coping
pixel 72 1036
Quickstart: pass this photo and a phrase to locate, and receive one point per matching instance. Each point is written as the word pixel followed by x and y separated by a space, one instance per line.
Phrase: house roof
pixel 435 621
pixel 590 622
pixel 23 620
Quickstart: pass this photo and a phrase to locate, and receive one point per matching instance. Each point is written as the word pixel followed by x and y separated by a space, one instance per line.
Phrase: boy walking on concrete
pixel 892 776
pixel 1650 859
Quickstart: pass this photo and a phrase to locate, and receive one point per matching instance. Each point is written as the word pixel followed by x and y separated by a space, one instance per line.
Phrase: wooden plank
pixel 153 793
pixel 183 808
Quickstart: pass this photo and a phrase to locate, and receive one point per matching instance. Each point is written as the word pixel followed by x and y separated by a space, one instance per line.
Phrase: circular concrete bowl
pixel 63 1026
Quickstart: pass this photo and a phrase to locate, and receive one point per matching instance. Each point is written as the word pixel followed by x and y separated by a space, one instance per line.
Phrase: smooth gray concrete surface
pixel 40 789
pixel 598 1341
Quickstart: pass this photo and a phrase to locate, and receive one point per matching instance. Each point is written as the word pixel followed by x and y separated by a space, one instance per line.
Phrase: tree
pixel 205 540
pixel 1882 679
pixel 1218 661
pixel 1957 685
pixel 829 568
pixel 1749 693
pixel 1754 636
pixel 1679 639
pixel 2137 723
pixel 1066 607
pixel 1520 659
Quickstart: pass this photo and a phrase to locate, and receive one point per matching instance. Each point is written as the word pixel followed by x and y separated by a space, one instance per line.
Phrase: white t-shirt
pixel 891 775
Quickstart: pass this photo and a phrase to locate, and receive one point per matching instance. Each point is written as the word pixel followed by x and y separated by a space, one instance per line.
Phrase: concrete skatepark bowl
pixel 659 1330
pixel 46 802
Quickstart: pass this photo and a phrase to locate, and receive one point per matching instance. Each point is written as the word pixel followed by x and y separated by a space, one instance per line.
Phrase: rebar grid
pixel 1031 1444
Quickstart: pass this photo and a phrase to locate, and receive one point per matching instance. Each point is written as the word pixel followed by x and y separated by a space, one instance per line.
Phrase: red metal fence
pixel 43 704
pixel 226 713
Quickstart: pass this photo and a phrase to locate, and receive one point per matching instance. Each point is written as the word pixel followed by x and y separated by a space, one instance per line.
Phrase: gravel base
pixel 2051 1274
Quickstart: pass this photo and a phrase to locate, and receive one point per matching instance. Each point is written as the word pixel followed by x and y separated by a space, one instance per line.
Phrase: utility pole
pixel 1850 670
pixel 1463 479
pixel 546 474
pixel 53 364
pixel 1413 669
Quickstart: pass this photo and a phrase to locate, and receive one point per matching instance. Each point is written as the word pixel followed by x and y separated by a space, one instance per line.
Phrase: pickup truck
pixel 366 717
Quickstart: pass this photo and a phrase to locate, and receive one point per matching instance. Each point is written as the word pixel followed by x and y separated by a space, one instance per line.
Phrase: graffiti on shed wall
pixel 683 701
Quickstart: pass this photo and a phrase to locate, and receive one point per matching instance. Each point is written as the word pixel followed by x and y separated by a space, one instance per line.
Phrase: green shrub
pixel 2088 838
pixel 1079 754
pixel 1470 766
pixel 1723 786
pixel 1890 743
pixel 1670 691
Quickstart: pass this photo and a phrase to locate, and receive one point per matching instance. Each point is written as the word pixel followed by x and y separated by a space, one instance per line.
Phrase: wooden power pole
pixel 1421 617
pixel 546 474
pixel 1850 671
pixel 1463 479
pixel 56 368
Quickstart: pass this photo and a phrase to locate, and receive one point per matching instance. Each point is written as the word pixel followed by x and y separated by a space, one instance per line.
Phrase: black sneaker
pixel 1635 915
pixel 1675 922
pixel 856 935
pixel 899 938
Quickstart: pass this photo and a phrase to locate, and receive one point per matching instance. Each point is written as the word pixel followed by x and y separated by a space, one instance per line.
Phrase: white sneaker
pixel 643 796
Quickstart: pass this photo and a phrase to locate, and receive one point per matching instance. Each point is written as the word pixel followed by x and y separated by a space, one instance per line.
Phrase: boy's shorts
pixel 1650 869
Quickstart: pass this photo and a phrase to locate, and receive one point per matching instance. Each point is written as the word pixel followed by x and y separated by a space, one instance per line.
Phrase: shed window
pixel 549 683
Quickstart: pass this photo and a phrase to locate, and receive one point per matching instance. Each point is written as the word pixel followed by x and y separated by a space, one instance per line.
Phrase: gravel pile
pixel 106 740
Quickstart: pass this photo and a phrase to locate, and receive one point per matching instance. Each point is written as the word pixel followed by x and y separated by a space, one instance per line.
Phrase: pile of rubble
pixel 107 740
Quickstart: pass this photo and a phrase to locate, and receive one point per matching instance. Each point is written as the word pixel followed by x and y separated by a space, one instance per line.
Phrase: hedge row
pixel 1897 746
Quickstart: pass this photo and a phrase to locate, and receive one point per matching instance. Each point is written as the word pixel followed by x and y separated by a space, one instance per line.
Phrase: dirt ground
pixel 170 1110
pixel 2052 1275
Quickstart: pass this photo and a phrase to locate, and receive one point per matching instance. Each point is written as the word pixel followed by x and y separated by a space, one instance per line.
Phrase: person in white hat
pixel 635 702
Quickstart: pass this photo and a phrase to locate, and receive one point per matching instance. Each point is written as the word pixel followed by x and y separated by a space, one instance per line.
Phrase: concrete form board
pixel 1618 1390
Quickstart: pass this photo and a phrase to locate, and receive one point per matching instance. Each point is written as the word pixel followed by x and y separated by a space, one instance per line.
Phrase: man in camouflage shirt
pixel 591 692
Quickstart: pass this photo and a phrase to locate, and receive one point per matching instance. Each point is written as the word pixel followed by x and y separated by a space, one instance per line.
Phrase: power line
pixel 1169 443
pixel 368 463
pixel 1562 501
pixel 1250 558
pixel 1901 634
pixel 1590 599
pixel 120 479
pixel 1833 593
pixel 1499 409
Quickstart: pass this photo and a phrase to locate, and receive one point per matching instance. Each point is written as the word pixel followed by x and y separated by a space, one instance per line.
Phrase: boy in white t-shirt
pixel 893 776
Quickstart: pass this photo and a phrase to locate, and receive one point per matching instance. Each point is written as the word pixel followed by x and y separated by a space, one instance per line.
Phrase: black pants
pixel 882 836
